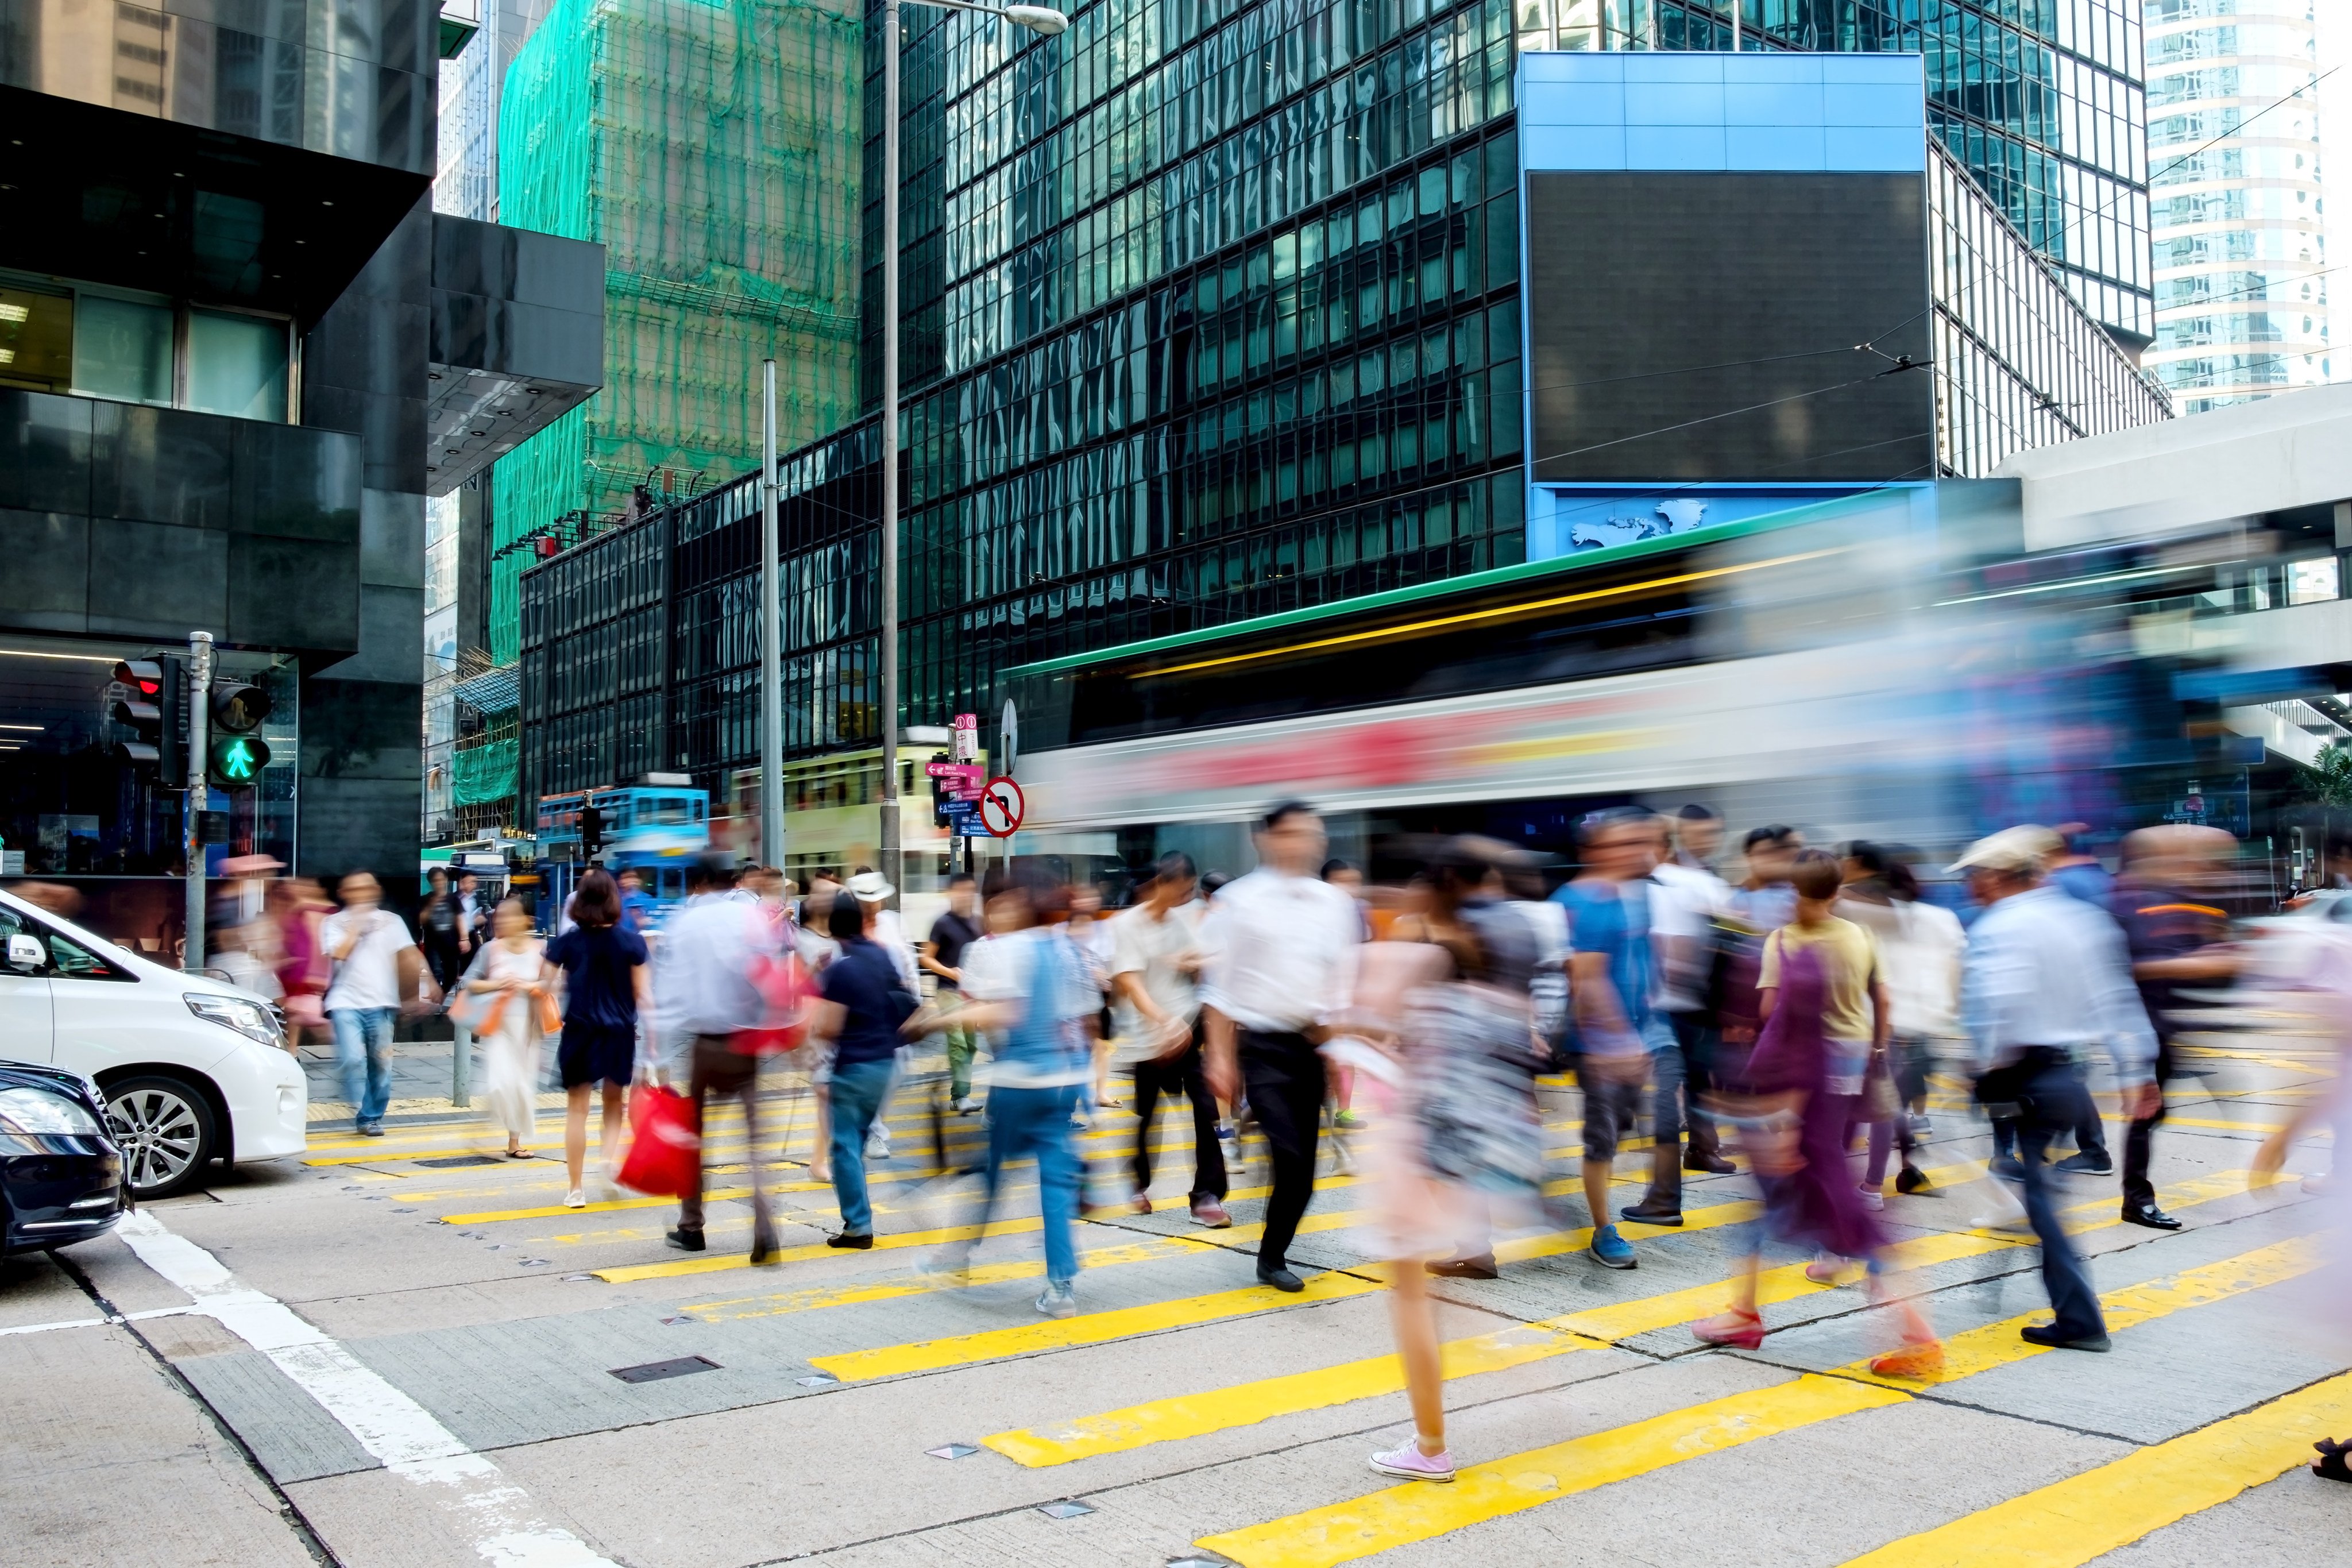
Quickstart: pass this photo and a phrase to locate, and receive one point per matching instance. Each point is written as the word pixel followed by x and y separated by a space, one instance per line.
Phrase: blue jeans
pixel 363 1041
pixel 2047 1095
pixel 858 1092
pixel 1037 1121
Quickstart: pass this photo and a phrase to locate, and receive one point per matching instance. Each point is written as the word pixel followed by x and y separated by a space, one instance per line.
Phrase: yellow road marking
pixel 2072 1523
pixel 1416 1511
pixel 820 1296
pixel 1087 1329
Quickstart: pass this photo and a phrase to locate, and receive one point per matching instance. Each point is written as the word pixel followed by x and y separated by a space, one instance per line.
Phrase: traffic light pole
pixel 191 833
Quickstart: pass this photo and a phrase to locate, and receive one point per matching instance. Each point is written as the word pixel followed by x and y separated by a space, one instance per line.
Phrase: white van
pixel 193 1068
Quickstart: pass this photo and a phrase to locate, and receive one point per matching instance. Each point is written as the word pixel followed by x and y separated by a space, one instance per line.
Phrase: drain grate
pixel 655 1371
pixel 453 1160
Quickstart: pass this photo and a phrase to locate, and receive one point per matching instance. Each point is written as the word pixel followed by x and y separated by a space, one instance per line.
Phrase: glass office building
pixel 2241 272
pixel 1211 309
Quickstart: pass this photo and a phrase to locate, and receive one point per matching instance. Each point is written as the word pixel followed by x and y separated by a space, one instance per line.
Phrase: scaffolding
pixel 713 149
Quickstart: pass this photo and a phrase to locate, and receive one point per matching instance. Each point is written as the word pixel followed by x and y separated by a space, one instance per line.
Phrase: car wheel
pixel 165 1129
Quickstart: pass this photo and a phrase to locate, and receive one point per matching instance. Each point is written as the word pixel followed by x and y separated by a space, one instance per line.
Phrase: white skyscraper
pixel 2237 207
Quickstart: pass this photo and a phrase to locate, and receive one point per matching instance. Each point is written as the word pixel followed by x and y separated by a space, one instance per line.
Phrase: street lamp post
pixel 1046 22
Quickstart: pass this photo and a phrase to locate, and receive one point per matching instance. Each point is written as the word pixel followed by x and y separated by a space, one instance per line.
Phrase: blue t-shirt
pixel 598 990
pixel 640 911
pixel 1613 918
pixel 860 982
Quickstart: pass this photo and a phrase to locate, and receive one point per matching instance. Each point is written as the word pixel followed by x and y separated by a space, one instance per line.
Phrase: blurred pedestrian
pixel 864 1004
pixel 297 905
pixel 705 990
pixel 1155 967
pixel 1349 878
pixel 367 945
pixel 2045 975
pixel 640 911
pixel 1683 905
pixel 1459 1131
pixel 1764 901
pixel 1279 945
pixel 607 987
pixel 440 930
pixel 2179 941
pixel 1802 1077
pixel 880 924
pixel 1033 997
pixel 955 929
pixel 1919 946
pixel 1611 981
pixel 513 968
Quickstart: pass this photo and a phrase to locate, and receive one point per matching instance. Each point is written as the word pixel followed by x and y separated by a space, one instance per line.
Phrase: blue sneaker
pixel 1612 1250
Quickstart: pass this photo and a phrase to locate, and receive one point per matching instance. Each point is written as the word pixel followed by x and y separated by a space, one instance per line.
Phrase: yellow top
pixel 1849 957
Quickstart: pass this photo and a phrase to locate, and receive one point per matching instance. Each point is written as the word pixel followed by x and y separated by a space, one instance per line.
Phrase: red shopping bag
pixel 787 996
pixel 664 1142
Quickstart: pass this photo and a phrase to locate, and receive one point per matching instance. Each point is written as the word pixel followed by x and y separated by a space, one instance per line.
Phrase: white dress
pixel 511 1051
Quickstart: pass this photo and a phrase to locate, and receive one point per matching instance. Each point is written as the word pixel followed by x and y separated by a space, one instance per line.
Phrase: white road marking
pixel 386 1423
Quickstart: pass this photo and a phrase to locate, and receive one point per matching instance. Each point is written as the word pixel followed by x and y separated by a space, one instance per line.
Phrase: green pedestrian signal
pixel 237 760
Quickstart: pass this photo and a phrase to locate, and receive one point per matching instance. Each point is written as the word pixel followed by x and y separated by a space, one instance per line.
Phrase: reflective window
pixel 237 365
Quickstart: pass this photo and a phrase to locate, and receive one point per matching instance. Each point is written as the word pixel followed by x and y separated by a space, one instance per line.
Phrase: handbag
pixel 475 1012
pixel 665 1158
pixel 1878 1099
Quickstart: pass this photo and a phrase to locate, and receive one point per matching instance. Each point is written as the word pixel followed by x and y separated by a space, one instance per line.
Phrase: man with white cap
pixel 2046 975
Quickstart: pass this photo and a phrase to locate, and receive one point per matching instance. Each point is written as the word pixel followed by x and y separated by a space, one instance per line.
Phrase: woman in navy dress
pixel 605 985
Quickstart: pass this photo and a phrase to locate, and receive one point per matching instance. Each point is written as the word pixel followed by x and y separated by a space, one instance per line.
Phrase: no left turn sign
pixel 1000 808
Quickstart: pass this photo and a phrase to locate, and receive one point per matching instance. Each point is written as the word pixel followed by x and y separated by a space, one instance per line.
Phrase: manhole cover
pixel 456 1160
pixel 655 1371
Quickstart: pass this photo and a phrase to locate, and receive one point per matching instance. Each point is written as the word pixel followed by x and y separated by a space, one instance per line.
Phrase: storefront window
pixel 123 350
pixel 237 365
pixel 36 340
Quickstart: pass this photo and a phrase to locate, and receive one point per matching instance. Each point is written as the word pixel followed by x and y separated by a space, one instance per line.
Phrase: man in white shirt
pixel 1684 902
pixel 364 1000
pixel 1280 943
pixel 1154 1015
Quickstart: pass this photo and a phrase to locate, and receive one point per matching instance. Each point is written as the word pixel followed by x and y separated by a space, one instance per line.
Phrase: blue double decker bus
pixel 654 829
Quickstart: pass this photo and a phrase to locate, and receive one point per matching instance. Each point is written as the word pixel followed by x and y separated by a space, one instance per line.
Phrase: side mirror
pixel 27 956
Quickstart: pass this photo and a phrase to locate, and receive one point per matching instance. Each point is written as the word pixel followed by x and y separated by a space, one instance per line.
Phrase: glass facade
pixel 2041 100
pixel 2240 259
pixel 63 336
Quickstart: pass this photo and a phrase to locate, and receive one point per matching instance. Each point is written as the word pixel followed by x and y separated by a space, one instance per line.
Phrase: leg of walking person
pixel 2049 1107
pixel 1611 1104
pixel 351 1058
pixel 2090 1157
pixel 859 1089
pixel 1662 1203
pixel 1209 1179
pixel 2139 1192
pixel 960 1047
pixel 1283 1076
pixel 705 1056
pixel 1414 1322
pixel 1149 1081
pixel 743 1082
pixel 1060 1179
pixel 376 1032
pixel 820 1140
pixel 575 1134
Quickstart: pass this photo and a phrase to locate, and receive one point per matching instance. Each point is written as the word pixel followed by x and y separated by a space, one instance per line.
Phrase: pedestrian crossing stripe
pixel 1243 1405
pixel 1416 1511
pixel 2075 1522
pixel 817 1296
pixel 1092 1328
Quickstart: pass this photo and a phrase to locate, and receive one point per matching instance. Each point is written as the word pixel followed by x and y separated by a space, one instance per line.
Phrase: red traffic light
pixel 144 674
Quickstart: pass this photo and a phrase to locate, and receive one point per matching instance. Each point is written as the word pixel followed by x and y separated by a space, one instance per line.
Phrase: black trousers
pixel 1183 1075
pixel 1284 1078
pixel 2138 1191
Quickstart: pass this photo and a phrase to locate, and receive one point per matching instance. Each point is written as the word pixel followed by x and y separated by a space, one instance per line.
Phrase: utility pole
pixel 192 830
pixel 771 668
pixel 889 632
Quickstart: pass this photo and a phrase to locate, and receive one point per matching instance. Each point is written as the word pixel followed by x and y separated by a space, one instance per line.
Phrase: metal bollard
pixel 461 1065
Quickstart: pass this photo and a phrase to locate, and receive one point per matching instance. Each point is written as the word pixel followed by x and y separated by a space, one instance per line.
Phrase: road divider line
pixel 1087 1329
pixel 484 1504
pixel 2071 1522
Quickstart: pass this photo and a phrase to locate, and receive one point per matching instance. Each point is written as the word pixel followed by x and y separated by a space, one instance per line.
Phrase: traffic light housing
pixel 939 800
pixel 236 755
pixel 591 832
pixel 153 704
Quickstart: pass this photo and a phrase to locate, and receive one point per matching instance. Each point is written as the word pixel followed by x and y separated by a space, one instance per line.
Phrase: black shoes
pixel 1653 1211
pixel 1282 1279
pixel 2047 1334
pixel 860 1243
pixel 2087 1165
pixel 2006 1167
pixel 1479 1267
pixel 2149 1216
pixel 1912 1182
pixel 1708 1161
pixel 685 1240
pixel 763 1251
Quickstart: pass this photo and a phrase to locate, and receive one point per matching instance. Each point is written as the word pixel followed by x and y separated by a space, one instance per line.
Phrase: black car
pixel 60 1173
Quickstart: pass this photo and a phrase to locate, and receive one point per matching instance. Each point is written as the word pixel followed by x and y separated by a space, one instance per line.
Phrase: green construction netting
pixel 714 151
pixel 482 774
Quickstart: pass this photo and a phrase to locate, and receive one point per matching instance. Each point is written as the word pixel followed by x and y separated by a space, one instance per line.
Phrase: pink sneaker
pixel 1408 1463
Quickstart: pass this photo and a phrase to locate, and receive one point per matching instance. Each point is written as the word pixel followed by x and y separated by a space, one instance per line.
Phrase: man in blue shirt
pixel 639 910
pixel 1610 986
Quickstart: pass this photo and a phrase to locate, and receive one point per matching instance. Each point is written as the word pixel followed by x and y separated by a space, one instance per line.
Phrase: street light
pixel 1046 22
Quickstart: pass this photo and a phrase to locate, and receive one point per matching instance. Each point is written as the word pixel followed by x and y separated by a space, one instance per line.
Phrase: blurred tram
pixel 654 829
pixel 1842 666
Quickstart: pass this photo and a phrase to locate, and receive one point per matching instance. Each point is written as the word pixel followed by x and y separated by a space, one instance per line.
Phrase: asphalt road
pixel 371 1359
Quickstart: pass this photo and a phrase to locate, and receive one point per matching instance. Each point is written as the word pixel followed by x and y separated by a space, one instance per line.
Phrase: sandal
pixel 518 1154
pixel 1739 1329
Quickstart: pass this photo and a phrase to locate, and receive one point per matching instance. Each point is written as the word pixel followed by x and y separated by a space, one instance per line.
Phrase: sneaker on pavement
pixel 2049 1336
pixel 2087 1165
pixel 575 1199
pixel 1871 1198
pixel 1912 1182
pixel 1059 1300
pixel 685 1240
pixel 1653 1211
pixel 1211 1215
pixel 2006 1167
pixel 1920 1358
pixel 1706 1160
pixel 1408 1463
pixel 1282 1279
pixel 1610 1250
pixel 862 1242
pixel 1349 1121
pixel 1479 1267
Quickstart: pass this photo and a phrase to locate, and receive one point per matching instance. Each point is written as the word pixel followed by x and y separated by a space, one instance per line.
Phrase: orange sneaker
pixel 1918 1359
